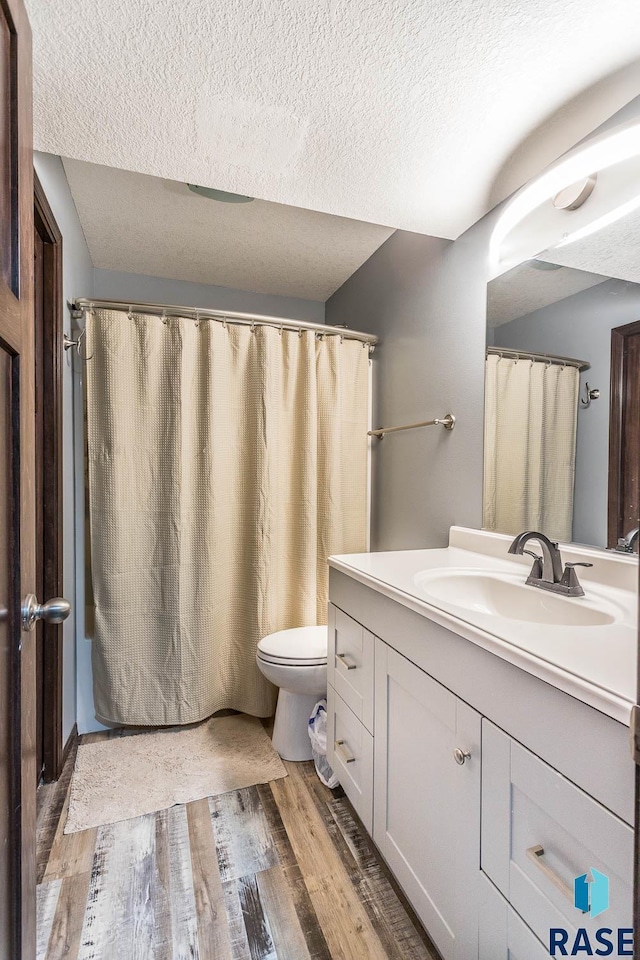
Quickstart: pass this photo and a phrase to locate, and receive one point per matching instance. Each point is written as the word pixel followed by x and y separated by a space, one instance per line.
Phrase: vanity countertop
pixel 595 663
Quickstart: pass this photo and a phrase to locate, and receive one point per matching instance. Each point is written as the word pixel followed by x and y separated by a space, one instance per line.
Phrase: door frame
pixel 52 454
pixel 619 336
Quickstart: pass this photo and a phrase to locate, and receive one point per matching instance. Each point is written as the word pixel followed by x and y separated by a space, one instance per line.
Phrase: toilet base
pixel 290 730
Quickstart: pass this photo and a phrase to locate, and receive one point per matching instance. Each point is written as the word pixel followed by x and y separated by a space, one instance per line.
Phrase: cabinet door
pixel 503 935
pixel 427 805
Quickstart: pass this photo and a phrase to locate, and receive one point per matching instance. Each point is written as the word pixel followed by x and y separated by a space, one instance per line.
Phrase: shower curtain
pixel 529 446
pixel 225 465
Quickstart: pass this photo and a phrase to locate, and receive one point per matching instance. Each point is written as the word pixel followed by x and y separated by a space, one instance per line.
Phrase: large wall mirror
pixel 562 397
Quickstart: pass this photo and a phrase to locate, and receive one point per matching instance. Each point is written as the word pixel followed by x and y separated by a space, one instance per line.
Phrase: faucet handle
pixel 536 569
pixel 570 579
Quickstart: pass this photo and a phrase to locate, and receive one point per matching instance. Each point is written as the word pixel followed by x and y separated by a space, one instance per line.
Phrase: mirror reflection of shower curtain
pixel 529 446
pixel 225 466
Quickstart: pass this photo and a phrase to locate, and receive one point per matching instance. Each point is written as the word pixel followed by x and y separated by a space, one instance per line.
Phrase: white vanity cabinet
pixel 427 798
pixel 460 765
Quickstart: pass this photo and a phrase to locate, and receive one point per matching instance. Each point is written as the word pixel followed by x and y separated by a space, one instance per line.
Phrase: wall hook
pixel 589 395
pixel 69 343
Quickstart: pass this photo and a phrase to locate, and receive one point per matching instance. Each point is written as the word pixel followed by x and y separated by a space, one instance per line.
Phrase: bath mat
pixel 126 777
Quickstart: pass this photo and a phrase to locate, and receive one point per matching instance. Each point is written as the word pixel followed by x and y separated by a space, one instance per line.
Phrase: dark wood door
pixel 48 314
pixel 17 492
pixel 38 263
pixel 624 432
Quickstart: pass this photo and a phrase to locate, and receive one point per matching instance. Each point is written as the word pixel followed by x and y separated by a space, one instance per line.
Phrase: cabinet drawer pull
pixel 461 756
pixel 346 661
pixel 535 854
pixel 343 752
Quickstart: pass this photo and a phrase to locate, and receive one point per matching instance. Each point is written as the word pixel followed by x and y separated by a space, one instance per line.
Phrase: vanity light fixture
pixel 573 196
pixel 600 222
pixel 561 181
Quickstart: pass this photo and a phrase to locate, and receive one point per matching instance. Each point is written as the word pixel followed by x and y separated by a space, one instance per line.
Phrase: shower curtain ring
pixel 253 326
pixel 280 329
pixel 224 323
pixel 164 317
pixel 197 318
pixel 300 332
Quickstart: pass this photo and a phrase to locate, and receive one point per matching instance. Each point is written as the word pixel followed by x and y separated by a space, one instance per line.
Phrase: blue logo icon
pixel 591 896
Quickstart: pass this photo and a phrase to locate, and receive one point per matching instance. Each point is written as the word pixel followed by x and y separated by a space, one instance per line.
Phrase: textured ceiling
pixel 143 224
pixel 525 289
pixel 613 251
pixel 402 112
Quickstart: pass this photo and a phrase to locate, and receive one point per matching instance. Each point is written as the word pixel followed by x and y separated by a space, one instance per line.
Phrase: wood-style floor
pixel 281 870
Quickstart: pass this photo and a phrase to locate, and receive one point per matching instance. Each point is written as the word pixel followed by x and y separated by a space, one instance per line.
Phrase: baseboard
pixel 72 739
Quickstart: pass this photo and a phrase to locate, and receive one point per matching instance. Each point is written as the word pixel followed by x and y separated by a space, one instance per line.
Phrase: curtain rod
pixel 81 305
pixel 563 361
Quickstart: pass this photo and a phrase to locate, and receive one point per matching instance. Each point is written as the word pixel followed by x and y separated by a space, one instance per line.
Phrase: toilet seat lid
pixel 307 645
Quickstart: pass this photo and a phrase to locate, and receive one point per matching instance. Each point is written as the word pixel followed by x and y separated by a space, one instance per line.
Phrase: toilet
pixel 296 662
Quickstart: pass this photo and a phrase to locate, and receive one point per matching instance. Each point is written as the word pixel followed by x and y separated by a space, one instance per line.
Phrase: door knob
pixel 53 611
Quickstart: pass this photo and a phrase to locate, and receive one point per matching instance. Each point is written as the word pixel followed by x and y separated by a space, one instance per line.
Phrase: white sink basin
pixel 507 595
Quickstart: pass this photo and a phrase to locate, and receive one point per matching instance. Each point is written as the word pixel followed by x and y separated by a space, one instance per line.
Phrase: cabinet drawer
pixel 350 754
pixel 502 934
pixel 540 832
pixel 350 656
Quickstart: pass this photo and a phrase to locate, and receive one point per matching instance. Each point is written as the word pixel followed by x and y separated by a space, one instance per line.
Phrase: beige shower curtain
pixel 225 465
pixel 529 446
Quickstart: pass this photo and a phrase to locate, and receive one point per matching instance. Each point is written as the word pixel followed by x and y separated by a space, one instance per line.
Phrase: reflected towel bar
pixel 448 422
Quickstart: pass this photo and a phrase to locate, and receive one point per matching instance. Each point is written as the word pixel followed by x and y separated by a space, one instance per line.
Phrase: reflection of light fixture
pixel 222 196
pixel 612 147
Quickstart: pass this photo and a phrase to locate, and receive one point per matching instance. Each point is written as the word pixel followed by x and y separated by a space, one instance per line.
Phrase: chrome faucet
pixel 627 544
pixel 547 572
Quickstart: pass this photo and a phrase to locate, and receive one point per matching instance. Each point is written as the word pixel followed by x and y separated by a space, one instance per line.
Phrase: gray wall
pixel 580 326
pixel 77 282
pixel 426 299
pixel 113 285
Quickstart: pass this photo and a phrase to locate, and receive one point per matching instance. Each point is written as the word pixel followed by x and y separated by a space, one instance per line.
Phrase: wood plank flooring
pixel 278 871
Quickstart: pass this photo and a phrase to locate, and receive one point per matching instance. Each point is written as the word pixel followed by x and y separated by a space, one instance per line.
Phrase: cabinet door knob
pixel 460 755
